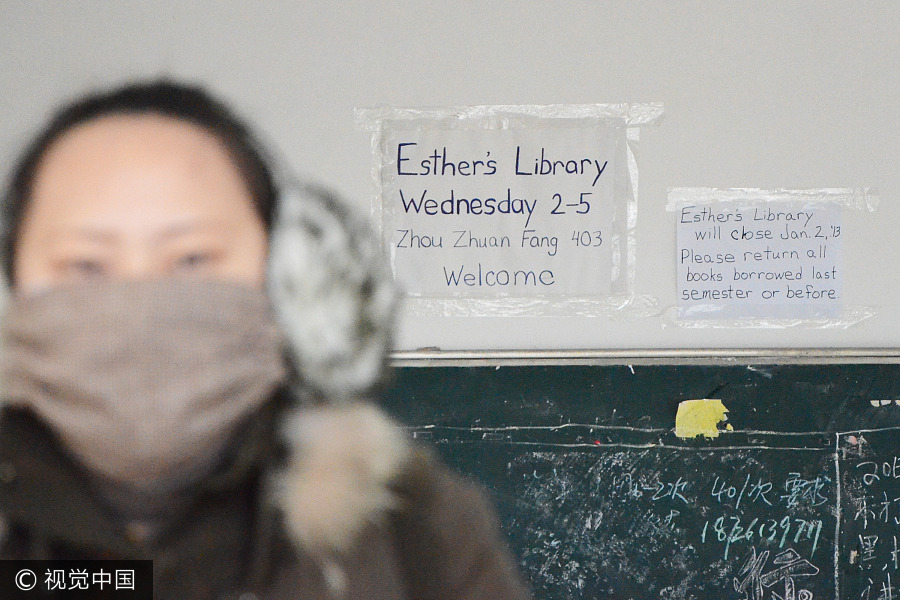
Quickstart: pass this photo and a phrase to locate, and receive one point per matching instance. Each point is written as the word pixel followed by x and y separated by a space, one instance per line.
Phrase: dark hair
pixel 165 98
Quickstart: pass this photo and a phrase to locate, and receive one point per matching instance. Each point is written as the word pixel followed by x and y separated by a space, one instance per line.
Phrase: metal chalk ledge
pixel 690 356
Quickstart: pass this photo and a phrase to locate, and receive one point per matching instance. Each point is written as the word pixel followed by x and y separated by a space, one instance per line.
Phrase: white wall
pixel 777 94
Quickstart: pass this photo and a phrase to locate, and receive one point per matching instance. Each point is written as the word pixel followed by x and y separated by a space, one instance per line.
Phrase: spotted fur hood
pixel 332 293
pixel 335 302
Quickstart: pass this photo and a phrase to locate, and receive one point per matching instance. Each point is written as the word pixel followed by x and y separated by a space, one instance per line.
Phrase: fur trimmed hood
pixel 332 293
pixel 338 480
pixel 335 301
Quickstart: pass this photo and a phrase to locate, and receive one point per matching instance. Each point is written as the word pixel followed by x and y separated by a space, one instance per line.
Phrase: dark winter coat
pixel 351 512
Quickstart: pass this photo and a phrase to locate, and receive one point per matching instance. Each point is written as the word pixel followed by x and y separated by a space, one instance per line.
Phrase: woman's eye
pixel 85 268
pixel 193 261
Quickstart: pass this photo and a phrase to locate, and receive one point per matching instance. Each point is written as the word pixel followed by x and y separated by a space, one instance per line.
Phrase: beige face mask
pixel 143 381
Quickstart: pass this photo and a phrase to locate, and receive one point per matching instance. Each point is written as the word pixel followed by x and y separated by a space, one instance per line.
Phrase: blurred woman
pixel 188 351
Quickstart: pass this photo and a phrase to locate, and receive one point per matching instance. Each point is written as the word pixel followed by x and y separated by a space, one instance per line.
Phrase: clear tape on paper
pixel 634 115
pixel 467 235
pixel 851 316
pixel 756 258
pixel 636 307
pixel 850 198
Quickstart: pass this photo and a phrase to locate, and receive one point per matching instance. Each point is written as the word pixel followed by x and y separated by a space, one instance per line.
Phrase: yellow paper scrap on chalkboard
pixel 700 417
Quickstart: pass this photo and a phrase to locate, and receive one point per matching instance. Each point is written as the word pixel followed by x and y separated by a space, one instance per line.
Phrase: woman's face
pixel 138 197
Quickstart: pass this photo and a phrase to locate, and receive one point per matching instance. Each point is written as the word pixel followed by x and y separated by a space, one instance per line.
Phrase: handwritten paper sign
pixel 779 260
pixel 526 209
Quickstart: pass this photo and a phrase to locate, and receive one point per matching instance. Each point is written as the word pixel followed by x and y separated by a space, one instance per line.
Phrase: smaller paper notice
pixel 778 260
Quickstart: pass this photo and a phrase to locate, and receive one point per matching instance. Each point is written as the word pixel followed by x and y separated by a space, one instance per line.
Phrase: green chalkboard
pixel 600 499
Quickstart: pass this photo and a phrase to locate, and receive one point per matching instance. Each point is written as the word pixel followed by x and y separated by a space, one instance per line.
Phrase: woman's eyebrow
pixel 93 234
pixel 191 226
pixel 105 236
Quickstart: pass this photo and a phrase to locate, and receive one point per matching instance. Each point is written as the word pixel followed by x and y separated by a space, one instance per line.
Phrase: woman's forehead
pixel 120 140
pixel 138 158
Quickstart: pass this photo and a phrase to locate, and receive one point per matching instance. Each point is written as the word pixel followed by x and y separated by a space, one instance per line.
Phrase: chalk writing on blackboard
pixel 871 508
pixel 602 511
pixel 787 567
